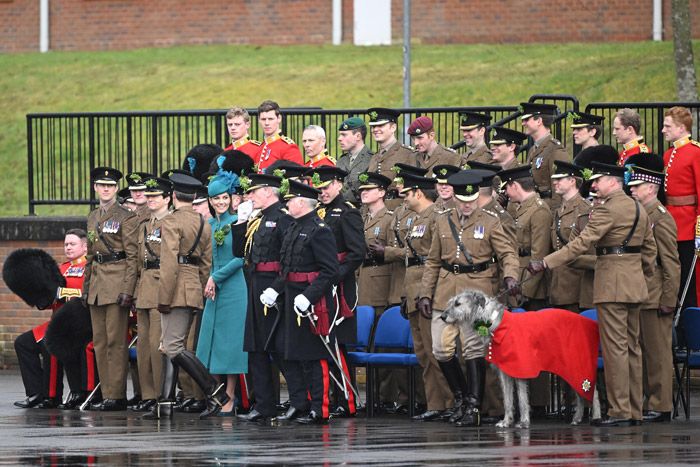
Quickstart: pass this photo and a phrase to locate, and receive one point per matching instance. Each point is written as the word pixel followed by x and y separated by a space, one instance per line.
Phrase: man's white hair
pixel 320 132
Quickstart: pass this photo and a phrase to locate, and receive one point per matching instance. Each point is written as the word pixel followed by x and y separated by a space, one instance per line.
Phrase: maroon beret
pixel 420 126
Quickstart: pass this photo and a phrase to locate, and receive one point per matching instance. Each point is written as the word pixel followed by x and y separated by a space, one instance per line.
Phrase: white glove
pixel 245 209
pixel 301 303
pixel 269 296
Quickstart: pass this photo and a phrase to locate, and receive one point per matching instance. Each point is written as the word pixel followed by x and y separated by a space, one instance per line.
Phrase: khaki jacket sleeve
pixel 600 223
pixel 665 233
pixel 131 248
pixel 169 269
pixel 205 259
pixel 431 270
pixel 648 250
pixel 584 262
pixel 505 252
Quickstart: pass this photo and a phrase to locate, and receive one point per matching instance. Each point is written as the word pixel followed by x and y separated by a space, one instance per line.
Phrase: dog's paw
pixel 522 424
pixel 576 422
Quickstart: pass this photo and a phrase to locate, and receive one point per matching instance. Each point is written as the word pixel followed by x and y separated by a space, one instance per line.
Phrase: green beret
pixel 352 123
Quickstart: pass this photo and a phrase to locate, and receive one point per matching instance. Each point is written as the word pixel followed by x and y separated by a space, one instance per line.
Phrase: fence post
pixel 30 166
pixel 154 144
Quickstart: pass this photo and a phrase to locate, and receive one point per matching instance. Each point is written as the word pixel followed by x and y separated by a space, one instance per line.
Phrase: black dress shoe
pixel 427 416
pixel 29 402
pixel 283 406
pixel 48 403
pixel 292 413
pixel 144 406
pixel 134 401
pixel 182 404
pixel 490 420
pixel 195 407
pixel 341 412
pixel 652 416
pixel 112 405
pixel 312 419
pixel 252 416
pixel 73 402
pixel 613 421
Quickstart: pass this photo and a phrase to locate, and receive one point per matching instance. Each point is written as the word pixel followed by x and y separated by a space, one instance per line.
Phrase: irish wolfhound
pixel 552 340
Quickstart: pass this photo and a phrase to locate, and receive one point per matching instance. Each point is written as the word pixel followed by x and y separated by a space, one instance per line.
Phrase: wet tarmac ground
pixel 55 437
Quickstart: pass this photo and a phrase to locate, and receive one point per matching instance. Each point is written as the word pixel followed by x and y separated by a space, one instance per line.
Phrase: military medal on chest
pixel 110 227
pixel 538 162
pixel 479 232
pixel 154 236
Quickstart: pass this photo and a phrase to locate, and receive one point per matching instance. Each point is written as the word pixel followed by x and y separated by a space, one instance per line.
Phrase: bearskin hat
pixel 33 275
pixel 234 161
pixel 199 158
pixel 602 153
pixel 70 330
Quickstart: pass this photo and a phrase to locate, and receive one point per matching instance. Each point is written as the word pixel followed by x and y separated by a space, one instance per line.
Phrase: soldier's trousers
pixel 109 335
pixel 622 358
pixel 437 393
pixel 298 376
pixel 445 340
pixel 656 339
pixel 150 361
pixel 260 364
pixel 319 382
pixel 42 373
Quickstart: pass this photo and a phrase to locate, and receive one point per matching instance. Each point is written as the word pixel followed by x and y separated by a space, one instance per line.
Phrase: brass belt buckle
pixel 98 257
pixel 455 268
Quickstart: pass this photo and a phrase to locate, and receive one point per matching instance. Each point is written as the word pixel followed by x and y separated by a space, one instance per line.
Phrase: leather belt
pixel 271 266
pixel 151 264
pixel 617 250
pixel 415 261
pixel 468 268
pixel 687 200
pixel 184 259
pixel 108 258
pixel 523 252
pixel 372 262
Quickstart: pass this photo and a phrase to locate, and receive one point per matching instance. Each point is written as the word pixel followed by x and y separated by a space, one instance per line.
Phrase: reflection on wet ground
pixel 54 437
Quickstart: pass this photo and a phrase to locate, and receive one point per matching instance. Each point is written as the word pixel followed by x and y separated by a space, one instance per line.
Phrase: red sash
pixel 345 310
pixel 323 324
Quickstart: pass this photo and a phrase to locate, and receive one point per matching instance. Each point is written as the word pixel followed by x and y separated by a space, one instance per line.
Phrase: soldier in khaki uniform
pixel 430 153
pixel 420 196
pixel 536 121
pixel 473 126
pixel 137 189
pixel 157 192
pixel 656 317
pixel 185 262
pixel 467 244
pixel 445 191
pixel 374 278
pixel 110 279
pixel 532 222
pixel 400 225
pixel 565 281
pixel 626 252
pixel 356 155
pixel 383 125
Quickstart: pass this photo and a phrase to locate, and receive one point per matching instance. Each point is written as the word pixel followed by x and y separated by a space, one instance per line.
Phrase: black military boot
pixel 214 391
pixel 458 385
pixel 476 373
pixel 163 409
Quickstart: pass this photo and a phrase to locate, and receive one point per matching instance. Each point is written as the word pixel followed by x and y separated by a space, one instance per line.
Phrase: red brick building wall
pixel 124 24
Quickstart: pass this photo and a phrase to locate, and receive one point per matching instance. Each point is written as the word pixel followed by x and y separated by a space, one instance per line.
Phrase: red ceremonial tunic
pixel 74 272
pixel 276 148
pixel 248 146
pixel 552 340
pixel 321 160
pixel 630 149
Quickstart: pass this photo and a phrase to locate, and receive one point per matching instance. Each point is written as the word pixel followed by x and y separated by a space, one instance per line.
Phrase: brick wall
pixel 15 316
pixel 124 24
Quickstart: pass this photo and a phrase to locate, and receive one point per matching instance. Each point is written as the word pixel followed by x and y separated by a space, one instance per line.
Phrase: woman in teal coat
pixel 220 344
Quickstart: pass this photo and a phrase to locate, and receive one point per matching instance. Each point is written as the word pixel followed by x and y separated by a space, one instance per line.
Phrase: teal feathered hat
pixel 223 182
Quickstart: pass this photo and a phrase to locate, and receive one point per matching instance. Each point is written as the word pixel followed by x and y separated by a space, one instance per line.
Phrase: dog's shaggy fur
pixel 470 307
pixel 69 331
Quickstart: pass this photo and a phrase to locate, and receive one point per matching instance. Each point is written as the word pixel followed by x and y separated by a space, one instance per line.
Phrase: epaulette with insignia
pixel 450 149
pixel 661 208
pixel 321 224
pixel 390 213
pixel 556 141
pixel 284 210
pixel 337 210
pixel 444 211
pixel 539 202
pixel 411 148
pixel 692 141
pixel 490 212
pixel 255 142
pixel 287 139
pixel 350 204
pixel 644 148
